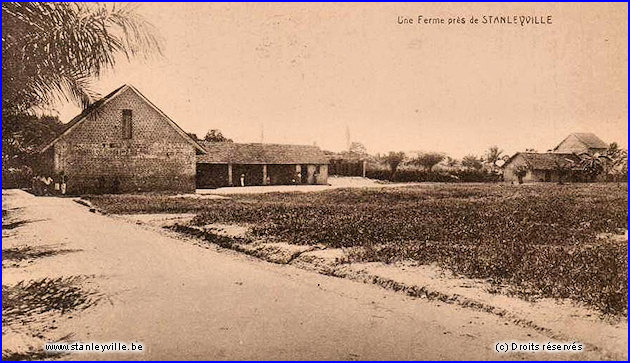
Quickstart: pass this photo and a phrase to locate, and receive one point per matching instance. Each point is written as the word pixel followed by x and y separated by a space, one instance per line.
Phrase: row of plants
pixel 542 240
pixel 416 175
pixel 595 274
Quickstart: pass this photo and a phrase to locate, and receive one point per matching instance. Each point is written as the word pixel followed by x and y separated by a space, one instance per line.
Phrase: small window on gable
pixel 126 124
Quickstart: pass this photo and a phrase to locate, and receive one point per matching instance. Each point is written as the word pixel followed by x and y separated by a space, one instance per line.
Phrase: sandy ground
pixel 562 319
pixel 334 182
pixel 185 302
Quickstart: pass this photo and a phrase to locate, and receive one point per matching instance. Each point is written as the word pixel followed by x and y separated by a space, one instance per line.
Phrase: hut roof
pixel 588 139
pixel 547 161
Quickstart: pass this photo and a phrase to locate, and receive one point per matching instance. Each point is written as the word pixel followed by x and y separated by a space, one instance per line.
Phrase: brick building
pixel 224 163
pixel 122 143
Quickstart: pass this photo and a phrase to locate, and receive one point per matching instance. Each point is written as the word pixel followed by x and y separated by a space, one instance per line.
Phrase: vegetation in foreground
pixel 542 240
pixel 28 300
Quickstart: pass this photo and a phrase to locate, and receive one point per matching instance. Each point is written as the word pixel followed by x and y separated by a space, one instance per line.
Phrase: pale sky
pixel 304 72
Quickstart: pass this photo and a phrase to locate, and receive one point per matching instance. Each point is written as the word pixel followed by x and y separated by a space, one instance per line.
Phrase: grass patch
pixel 28 253
pixel 13 225
pixel 27 300
pixel 33 354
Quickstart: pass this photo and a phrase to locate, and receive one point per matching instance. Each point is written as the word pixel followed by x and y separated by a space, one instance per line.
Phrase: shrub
pixel 19 177
pixel 412 175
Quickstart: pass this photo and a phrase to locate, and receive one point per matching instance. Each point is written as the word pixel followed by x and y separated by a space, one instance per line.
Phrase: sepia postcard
pixel 314 181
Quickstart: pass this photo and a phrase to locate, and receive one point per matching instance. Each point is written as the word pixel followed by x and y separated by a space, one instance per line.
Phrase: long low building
pixel 235 164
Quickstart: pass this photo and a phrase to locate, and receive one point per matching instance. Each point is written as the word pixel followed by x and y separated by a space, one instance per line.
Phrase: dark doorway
pixel 304 172
pixel 281 174
pixel 251 173
pixel 212 175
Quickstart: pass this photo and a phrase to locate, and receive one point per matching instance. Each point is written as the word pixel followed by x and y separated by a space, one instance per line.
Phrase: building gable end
pixel 80 119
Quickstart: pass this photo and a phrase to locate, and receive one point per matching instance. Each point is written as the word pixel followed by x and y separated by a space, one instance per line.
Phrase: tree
pixel 614 152
pixel 428 160
pixel 394 159
pixel 493 154
pixel 22 137
pixel 357 148
pixel 451 162
pixel 563 167
pixel 593 165
pixel 472 162
pixel 193 136
pixel 52 51
pixel 356 152
pixel 215 135
pixel 617 167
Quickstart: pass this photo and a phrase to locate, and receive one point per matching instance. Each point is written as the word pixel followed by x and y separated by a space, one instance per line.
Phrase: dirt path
pixel 334 182
pixel 186 302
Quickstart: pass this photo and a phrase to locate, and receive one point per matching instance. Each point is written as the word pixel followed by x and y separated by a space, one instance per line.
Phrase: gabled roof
pixel 257 153
pixel 589 139
pixel 98 104
pixel 547 161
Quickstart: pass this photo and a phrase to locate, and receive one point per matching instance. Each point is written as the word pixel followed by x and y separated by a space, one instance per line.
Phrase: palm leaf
pixel 52 51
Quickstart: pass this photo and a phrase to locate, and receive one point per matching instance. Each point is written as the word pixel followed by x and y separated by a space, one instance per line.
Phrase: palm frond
pixel 51 51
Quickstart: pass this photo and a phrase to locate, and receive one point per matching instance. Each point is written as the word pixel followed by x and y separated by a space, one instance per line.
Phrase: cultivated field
pixel 538 240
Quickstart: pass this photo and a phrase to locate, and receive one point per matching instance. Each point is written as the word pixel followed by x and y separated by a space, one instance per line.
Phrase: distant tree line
pixel 439 167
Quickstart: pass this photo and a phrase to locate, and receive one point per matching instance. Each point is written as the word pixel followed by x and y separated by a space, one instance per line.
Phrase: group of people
pixel 47 185
pixel 242 180
pixel 296 180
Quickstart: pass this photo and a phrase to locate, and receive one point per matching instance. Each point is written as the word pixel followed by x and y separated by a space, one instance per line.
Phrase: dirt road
pixel 185 302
